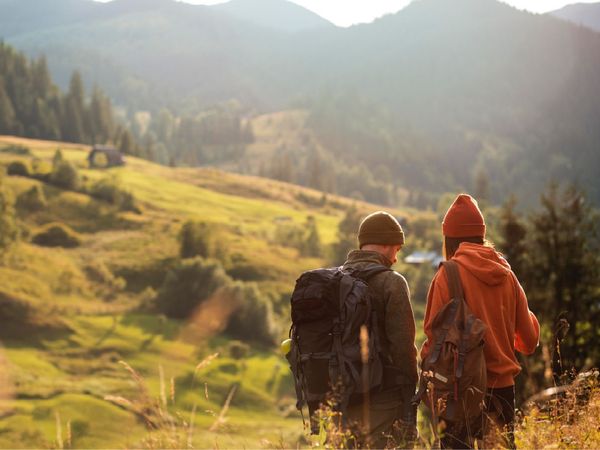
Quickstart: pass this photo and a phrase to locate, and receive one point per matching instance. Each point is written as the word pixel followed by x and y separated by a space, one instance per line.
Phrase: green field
pixel 70 332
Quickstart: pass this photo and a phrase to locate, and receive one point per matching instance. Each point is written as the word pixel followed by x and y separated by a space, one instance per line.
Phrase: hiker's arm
pixel 437 297
pixel 527 327
pixel 400 325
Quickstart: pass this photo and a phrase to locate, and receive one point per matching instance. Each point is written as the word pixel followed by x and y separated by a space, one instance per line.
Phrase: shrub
pixel 20 150
pixel 65 175
pixel 195 239
pixel 57 235
pixel 9 231
pixel 188 285
pixel 110 285
pixel 238 349
pixel 254 319
pixel 108 190
pixel 20 168
pixel 33 199
pixel 245 271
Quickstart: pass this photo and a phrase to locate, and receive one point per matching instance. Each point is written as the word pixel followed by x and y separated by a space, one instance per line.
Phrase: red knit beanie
pixel 463 219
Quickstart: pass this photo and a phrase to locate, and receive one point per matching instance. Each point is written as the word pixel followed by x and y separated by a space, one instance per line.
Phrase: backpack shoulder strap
pixel 370 271
pixel 456 297
pixel 454 283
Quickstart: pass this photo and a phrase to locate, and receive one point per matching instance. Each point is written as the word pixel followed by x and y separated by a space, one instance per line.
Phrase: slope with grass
pixel 73 314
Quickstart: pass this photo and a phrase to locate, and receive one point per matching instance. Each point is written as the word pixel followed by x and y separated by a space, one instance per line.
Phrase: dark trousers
pixel 392 420
pixel 498 415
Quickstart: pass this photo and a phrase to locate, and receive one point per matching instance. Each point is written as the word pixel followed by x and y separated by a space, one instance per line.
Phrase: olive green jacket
pixel 396 322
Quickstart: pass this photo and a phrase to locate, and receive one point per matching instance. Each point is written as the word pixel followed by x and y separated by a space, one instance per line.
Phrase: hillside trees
pixel 9 231
pixel 32 106
pixel 556 255
pixel 565 274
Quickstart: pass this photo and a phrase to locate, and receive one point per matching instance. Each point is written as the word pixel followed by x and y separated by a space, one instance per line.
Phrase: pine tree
pixel 513 235
pixel 7 112
pixel 101 117
pixel 9 231
pixel 74 113
pixel 311 246
pixel 347 231
pixel 565 270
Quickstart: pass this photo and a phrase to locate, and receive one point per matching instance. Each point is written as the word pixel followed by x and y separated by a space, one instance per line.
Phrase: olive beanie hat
pixel 380 228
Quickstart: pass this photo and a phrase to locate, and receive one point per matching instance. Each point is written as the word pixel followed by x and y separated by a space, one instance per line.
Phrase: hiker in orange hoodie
pixel 495 296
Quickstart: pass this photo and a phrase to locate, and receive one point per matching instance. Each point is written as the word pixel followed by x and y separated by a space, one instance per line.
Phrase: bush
pixel 188 285
pixel 110 285
pixel 108 190
pixel 20 150
pixel 33 199
pixel 246 271
pixel 238 349
pixel 195 239
pixel 65 176
pixel 9 230
pixel 19 168
pixel 254 320
pixel 57 235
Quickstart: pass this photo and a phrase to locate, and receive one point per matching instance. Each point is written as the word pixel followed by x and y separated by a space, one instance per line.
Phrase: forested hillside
pixel 32 105
pixel 442 96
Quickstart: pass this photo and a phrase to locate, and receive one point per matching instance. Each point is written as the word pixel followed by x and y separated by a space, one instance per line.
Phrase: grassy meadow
pixel 86 363
pixel 73 314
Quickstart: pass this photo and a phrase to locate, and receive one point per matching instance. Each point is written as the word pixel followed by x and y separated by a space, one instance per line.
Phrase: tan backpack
pixel 453 376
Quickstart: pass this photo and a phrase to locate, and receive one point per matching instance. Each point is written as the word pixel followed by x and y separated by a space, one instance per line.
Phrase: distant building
pixel 105 156
pixel 433 258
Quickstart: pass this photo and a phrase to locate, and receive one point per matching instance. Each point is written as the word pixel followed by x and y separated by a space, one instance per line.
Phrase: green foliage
pixel 19 168
pixel 238 349
pixel 57 158
pixel 564 275
pixel 196 239
pixel 56 235
pixel 311 245
pixel 188 285
pixel 31 105
pixel 253 320
pixel 9 231
pixel 110 191
pixel 304 237
pixel 513 234
pixel 65 176
pixel 108 284
pixel 33 199
pixel 239 268
pixel 20 150
pixel 347 236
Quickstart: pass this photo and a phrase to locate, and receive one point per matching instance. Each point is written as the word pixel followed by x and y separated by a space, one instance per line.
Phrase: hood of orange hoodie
pixel 485 263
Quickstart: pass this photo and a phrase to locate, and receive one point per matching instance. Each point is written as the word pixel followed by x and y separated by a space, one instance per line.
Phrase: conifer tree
pixel 7 112
pixel 565 270
pixel 513 235
pixel 312 241
pixel 9 231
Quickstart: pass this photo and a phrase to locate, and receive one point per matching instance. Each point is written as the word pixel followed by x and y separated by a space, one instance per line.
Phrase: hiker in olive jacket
pixel 392 417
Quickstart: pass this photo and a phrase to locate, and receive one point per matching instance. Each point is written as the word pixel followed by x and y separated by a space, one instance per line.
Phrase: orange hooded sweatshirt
pixel 495 296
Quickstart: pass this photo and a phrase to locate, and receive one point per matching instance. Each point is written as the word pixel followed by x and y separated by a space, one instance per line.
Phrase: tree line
pixel 32 105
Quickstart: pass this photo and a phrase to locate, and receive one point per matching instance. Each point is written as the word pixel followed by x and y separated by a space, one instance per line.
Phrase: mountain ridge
pixel 585 14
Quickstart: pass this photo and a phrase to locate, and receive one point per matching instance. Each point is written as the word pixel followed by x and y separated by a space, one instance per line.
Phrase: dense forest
pixel 32 105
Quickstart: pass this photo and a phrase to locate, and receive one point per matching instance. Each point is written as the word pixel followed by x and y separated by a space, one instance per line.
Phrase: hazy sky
pixel 348 12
